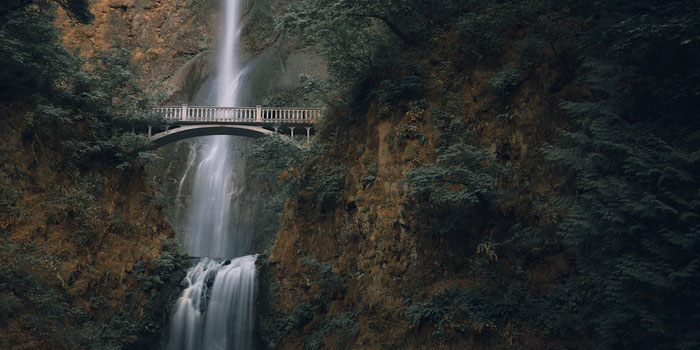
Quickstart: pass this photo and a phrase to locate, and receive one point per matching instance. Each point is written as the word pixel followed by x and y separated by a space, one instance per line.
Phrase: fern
pixel 462 178
pixel 632 227
pixel 340 328
pixel 456 310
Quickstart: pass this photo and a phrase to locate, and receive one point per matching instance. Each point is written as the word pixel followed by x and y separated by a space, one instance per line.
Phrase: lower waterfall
pixel 215 311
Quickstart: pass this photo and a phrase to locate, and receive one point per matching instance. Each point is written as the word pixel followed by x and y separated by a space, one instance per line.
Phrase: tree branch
pixel 394 28
pixel 14 7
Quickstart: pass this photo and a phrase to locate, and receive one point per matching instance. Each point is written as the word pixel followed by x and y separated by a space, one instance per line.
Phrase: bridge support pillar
pixel 308 134
pixel 150 131
pixel 292 129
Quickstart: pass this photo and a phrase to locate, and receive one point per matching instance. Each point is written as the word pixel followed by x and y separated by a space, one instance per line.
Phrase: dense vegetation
pixel 82 265
pixel 89 107
pixel 550 154
pixel 535 184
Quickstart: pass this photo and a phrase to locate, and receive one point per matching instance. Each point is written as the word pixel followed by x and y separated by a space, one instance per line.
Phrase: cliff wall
pixel 88 258
pixel 488 175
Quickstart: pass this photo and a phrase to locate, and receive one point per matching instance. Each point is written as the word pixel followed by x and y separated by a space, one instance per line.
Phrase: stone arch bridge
pixel 192 121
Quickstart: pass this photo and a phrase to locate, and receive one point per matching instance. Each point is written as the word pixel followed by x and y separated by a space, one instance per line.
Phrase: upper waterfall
pixel 229 67
pixel 214 188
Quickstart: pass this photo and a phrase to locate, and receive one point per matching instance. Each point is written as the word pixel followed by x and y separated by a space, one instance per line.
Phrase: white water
pixel 215 310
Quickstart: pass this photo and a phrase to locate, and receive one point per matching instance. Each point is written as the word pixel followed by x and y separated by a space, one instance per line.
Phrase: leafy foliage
pixel 33 62
pixel 393 93
pixel 280 164
pixel 649 61
pixel 290 323
pixel 327 286
pixel 626 221
pixel 327 187
pixel 456 309
pixel 341 328
pixel 91 108
pixel 506 80
pixel 10 204
pixel 633 160
pixel 331 285
pixel 479 33
pixel 48 312
pixel 463 177
pixel 275 162
pixel 112 105
pixel 510 298
pixel 364 42
pixel 634 227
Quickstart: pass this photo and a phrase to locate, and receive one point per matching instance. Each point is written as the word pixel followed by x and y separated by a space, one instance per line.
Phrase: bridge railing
pixel 257 114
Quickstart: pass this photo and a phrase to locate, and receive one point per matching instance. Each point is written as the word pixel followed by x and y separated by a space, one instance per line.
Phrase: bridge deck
pixel 186 122
pixel 241 115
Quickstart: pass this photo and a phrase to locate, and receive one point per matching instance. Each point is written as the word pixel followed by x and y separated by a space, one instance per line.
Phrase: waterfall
pixel 215 311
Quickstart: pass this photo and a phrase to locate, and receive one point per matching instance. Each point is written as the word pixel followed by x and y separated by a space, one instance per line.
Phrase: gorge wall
pixel 83 264
pixel 487 175
pixel 88 258
pixel 174 42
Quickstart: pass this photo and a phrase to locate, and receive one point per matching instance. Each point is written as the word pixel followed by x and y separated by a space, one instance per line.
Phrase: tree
pixel 92 107
pixel 76 9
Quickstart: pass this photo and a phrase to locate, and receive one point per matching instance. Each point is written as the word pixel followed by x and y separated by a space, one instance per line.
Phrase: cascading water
pixel 215 310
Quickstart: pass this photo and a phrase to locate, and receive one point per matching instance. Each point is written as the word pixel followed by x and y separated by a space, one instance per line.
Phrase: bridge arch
pixel 189 131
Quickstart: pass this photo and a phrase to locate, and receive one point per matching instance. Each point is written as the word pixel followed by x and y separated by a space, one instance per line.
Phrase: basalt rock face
pixel 359 262
pixel 87 259
pixel 174 44
pixel 482 189
pixel 169 40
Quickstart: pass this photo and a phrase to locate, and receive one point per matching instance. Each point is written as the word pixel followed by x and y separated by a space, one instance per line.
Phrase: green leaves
pixel 88 108
pixel 446 194
pixel 394 93
pixel 626 225
pixel 326 187
pixel 33 62
pixel 462 176
pixel 479 33
pixel 456 310
pixel 356 36
pixel 340 327
pixel 506 80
